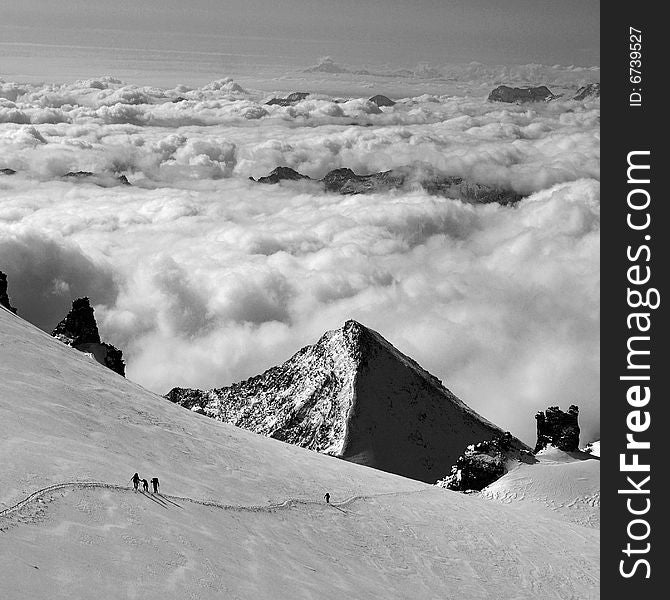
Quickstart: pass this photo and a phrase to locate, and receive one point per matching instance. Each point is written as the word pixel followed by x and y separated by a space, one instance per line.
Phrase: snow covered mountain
pixel 239 515
pixel 352 395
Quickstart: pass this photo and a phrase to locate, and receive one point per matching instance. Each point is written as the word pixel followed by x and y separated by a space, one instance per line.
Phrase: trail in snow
pixel 290 502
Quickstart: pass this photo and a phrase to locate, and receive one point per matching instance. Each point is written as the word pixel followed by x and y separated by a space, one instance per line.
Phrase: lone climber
pixel 154 484
pixel 326 497
pixel 136 481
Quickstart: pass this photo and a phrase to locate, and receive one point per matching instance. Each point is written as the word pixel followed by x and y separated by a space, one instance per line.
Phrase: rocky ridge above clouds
pixel 345 181
pixel 505 93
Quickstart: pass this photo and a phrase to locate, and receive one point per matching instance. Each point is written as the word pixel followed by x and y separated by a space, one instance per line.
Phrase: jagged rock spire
pixel 4 298
pixel 80 330
pixel 79 326
pixel 558 428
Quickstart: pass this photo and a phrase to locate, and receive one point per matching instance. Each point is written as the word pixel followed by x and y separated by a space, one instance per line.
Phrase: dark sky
pixel 354 31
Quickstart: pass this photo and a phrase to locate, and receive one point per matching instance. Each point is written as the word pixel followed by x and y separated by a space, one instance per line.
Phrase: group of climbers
pixel 145 484
pixel 154 484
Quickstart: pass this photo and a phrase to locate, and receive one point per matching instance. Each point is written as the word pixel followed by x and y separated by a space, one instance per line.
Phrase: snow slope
pixel 354 395
pixel 242 515
pixel 565 483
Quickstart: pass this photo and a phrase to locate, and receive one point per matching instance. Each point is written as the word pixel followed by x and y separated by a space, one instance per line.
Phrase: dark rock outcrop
pixel 4 298
pixel 113 359
pixel 380 100
pixel 297 96
pixel 80 330
pixel 355 396
pixel 79 174
pixel 558 428
pixel 504 93
pixel 101 179
pixel 591 90
pixel 79 326
pixel 480 465
pixel 345 181
pixel 290 100
pixel 281 174
pixel 7 171
pixel 469 191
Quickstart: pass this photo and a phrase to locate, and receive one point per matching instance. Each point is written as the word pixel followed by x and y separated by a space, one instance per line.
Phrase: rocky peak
pixel 80 330
pixel 345 181
pixel 558 428
pixel 79 174
pixel 297 96
pixel 380 100
pixel 282 174
pixel 79 325
pixel 354 328
pixel 335 179
pixel 504 93
pixel 352 339
pixel 354 395
pixel 101 179
pixel 591 90
pixel 290 100
pixel 4 298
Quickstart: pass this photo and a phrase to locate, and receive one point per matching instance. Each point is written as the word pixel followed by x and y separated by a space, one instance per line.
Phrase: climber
pixel 145 485
pixel 326 497
pixel 136 480
pixel 154 484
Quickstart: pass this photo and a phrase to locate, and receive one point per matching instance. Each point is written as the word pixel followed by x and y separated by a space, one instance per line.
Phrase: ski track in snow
pixel 289 503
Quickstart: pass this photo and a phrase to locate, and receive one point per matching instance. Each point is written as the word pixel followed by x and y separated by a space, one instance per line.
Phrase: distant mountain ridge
pixel 505 93
pixel 355 396
pixel 345 181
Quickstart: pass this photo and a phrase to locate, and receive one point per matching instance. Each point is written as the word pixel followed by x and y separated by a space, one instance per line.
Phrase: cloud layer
pixel 203 277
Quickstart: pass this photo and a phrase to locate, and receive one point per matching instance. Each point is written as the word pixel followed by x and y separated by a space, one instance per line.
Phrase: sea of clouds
pixel 203 277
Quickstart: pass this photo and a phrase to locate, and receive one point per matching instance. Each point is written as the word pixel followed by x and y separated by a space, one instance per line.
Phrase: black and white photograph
pixel 301 300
